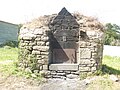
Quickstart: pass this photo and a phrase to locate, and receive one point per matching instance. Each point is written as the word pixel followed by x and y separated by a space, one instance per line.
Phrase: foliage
pixel 112 36
pixel 28 59
pixel 9 64
pixel 10 43
pixel 8 54
pixel 111 65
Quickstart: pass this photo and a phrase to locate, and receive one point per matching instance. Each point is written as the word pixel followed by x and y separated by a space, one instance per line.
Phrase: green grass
pixel 111 65
pixel 103 83
pixel 8 60
pixel 8 53
pixel 9 63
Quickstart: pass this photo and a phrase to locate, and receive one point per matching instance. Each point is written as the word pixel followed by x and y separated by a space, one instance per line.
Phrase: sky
pixel 21 11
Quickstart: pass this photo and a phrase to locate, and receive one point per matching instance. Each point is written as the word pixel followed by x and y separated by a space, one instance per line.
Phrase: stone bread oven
pixel 61 44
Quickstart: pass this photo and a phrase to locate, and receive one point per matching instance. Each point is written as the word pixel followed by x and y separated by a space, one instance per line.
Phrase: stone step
pixel 72 67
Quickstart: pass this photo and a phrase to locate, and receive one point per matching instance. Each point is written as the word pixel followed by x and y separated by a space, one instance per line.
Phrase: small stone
pixel 36 71
pixel 45 67
pixel 35 52
pixel 33 75
pixel 113 78
pixel 87 81
pixel 47 43
pixel 71 76
pixel 61 74
pixel 28 70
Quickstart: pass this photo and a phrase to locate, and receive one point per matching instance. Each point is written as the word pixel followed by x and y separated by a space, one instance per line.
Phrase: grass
pixel 103 83
pixel 111 65
pixel 9 63
pixel 8 53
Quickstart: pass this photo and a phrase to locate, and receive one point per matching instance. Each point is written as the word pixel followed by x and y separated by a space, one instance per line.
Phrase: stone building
pixel 61 44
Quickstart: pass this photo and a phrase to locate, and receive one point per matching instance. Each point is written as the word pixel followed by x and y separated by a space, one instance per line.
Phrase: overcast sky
pixel 20 11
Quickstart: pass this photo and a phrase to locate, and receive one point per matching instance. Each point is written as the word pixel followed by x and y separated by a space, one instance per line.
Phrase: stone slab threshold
pixel 71 67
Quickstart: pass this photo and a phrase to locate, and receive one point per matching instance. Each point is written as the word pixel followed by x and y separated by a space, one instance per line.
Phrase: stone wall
pixel 35 50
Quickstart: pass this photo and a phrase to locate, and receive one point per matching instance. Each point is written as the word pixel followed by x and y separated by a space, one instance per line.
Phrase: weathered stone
pixel 44 53
pixel 114 78
pixel 85 53
pixel 28 70
pixel 38 31
pixel 45 67
pixel 91 33
pixel 44 38
pixel 40 43
pixel 40 61
pixel 32 43
pixel 37 39
pixel 41 48
pixel 44 57
pixel 38 56
pixel 28 36
pixel 84 61
pixel 47 43
pixel 35 52
pixel 71 76
pixel 33 75
pixel 76 72
pixel 63 67
pixel 67 72
pixel 93 69
pixel 61 74
pixel 36 71
pixel 84 68
pixel 41 68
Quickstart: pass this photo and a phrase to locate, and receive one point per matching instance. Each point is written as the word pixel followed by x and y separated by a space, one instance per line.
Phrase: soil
pixel 21 83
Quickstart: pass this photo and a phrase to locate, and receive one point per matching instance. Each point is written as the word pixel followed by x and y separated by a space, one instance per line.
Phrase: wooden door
pixel 64 47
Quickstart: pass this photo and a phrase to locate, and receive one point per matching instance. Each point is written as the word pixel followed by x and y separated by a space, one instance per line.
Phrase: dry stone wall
pixel 35 50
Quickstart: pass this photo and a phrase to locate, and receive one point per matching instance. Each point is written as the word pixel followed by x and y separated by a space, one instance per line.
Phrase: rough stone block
pixel 41 48
pixel 44 53
pixel 44 38
pixel 38 31
pixel 40 62
pixel 84 61
pixel 93 69
pixel 71 76
pixel 61 74
pixel 47 43
pixel 37 39
pixel 84 68
pixel 40 43
pixel 44 57
pixel 63 67
pixel 45 67
pixel 35 52
pixel 85 53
